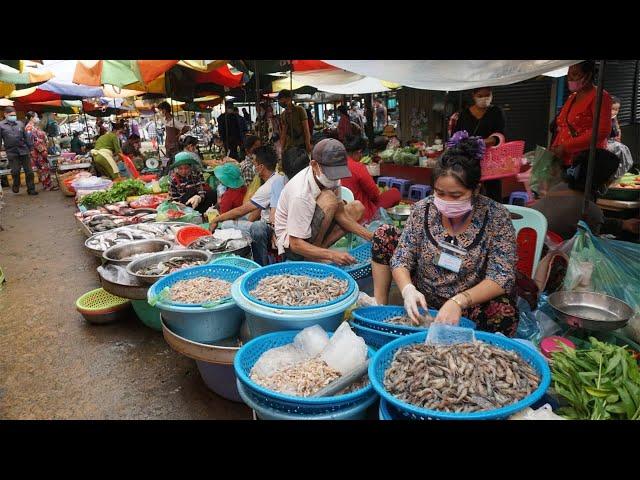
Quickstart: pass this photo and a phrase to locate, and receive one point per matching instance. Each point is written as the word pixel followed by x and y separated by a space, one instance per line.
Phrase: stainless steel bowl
pixel 590 310
pixel 133 289
pixel 156 258
pixel 400 212
pixel 118 254
pixel 240 246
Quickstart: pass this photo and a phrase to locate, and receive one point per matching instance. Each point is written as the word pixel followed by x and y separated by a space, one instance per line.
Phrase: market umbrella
pixel 10 77
pixel 55 91
pixel 55 106
pixel 119 72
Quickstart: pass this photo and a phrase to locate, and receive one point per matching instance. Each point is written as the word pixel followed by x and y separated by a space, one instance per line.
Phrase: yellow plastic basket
pixel 100 301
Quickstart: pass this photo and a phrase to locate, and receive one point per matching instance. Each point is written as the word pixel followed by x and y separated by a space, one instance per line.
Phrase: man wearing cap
pixel 294 131
pixel 17 143
pixel 311 216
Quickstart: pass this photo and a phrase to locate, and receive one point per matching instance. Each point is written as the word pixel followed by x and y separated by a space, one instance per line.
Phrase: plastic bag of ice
pixel 277 359
pixel 345 350
pixel 311 340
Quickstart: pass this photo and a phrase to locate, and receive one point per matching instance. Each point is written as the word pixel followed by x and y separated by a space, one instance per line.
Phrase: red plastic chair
pixel 134 171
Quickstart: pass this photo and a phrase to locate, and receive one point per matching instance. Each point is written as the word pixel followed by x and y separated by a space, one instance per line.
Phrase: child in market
pixel 232 189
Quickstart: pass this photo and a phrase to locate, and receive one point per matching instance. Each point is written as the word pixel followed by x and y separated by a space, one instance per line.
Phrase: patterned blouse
pixel 490 242
pixel 178 185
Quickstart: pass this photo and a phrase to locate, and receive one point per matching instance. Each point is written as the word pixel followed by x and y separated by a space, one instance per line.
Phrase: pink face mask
pixel 452 208
pixel 575 85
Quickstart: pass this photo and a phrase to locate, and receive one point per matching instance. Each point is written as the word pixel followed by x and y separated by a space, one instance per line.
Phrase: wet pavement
pixel 53 364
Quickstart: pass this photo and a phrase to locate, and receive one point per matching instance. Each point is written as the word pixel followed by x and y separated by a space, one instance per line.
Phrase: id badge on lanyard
pixel 450 257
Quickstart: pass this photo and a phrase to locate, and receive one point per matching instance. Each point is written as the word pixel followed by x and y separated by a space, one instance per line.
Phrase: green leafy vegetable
pixel 601 383
pixel 117 193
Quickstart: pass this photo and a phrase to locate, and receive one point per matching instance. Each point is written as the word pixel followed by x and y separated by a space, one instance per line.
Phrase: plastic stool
pixel 402 185
pixel 418 192
pixel 385 181
pixel 519 198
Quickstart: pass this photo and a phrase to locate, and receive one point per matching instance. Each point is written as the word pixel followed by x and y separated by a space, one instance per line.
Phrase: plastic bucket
pixel 147 314
pixel 220 379
pixel 262 320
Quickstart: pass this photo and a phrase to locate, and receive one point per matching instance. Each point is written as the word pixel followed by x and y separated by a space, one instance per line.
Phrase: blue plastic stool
pixel 385 181
pixel 519 198
pixel 418 192
pixel 402 185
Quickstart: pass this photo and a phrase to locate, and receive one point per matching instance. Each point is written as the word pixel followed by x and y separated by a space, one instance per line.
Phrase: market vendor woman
pixel 187 184
pixel 457 252
pixel 105 150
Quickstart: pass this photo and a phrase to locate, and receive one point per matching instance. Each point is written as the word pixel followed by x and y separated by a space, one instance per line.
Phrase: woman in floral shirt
pixel 474 278
pixel 39 152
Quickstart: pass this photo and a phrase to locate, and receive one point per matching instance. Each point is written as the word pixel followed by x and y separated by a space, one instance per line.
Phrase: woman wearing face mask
pixel 39 151
pixel 457 252
pixel 575 120
pixel 481 118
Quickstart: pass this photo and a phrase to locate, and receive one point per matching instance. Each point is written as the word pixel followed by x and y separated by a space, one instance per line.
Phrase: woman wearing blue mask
pixel 457 252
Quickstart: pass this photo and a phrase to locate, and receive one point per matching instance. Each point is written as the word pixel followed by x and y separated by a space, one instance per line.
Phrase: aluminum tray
pixel 590 310
pixel 159 257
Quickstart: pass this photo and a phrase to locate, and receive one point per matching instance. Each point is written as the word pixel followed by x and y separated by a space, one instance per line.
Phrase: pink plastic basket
pixel 504 159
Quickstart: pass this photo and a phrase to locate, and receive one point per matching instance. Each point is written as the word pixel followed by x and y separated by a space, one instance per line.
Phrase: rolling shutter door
pixel 526 109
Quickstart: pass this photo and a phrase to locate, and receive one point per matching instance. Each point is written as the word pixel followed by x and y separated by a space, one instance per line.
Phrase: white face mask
pixel 324 180
pixel 483 102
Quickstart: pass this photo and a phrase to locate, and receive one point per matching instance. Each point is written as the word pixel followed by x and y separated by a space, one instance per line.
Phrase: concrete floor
pixel 53 364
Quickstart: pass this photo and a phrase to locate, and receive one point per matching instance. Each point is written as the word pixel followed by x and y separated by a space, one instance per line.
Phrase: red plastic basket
pixel 503 160
pixel 186 235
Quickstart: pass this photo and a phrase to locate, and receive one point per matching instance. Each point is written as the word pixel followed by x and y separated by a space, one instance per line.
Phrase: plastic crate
pixel 384 356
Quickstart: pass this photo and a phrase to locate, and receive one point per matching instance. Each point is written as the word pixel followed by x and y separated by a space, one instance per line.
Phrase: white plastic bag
pixel 365 300
pixel 545 412
pixel 311 340
pixel 277 359
pixel 345 350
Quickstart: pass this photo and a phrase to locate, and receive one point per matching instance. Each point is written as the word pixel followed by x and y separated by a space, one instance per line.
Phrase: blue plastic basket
pixel 236 261
pixel 357 411
pixel 387 412
pixel 373 338
pixel 374 318
pixel 382 359
pixel 311 269
pixel 249 354
pixel 222 272
pixel 261 320
pixel 362 268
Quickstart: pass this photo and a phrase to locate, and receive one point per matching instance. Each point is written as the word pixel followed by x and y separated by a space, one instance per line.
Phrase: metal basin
pixel 400 212
pixel 221 352
pixel 133 289
pixel 240 246
pixel 591 311
pixel 156 258
pixel 119 254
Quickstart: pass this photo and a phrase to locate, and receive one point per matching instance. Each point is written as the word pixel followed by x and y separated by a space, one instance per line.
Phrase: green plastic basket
pixel 147 314
pixel 100 301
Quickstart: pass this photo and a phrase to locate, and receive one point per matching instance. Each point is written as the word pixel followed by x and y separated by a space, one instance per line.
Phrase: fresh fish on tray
pixel 169 266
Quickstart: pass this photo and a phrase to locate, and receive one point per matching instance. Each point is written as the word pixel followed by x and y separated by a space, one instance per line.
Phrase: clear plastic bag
pixel 278 359
pixel 545 412
pixel 607 266
pixel 345 350
pixel 545 171
pixel 311 340
pixel 443 334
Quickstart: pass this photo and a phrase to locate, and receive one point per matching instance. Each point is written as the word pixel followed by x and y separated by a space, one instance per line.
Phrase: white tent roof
pixel 451 75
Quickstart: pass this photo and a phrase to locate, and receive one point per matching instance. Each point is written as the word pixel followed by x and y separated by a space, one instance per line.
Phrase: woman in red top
pixel 361 183
pixel 344 125
pixel 575 120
